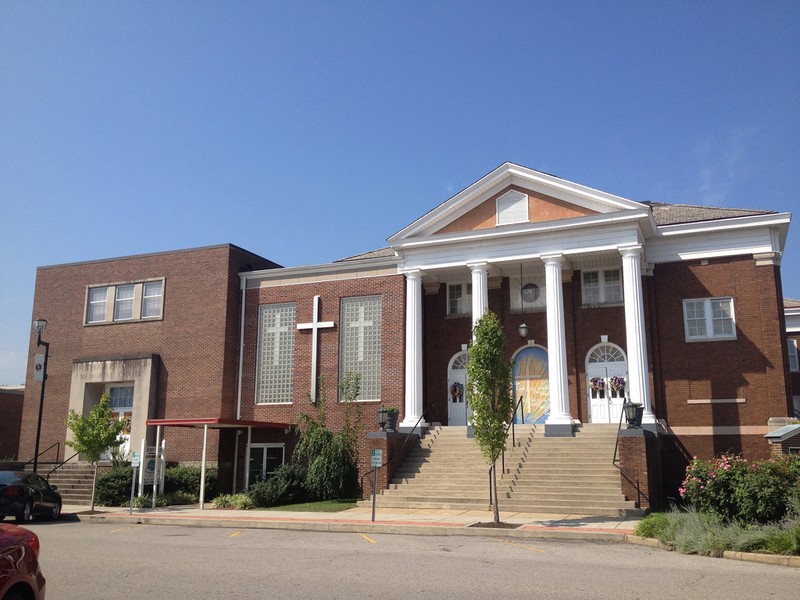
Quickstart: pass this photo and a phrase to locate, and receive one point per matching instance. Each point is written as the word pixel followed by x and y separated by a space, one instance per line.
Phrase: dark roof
pixel 379 253
pixel 673 214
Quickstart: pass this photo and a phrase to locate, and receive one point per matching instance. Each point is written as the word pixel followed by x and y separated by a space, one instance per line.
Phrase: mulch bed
pixel 494 525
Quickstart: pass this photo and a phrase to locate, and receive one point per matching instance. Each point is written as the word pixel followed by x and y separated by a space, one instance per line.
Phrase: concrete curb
pixel 767 559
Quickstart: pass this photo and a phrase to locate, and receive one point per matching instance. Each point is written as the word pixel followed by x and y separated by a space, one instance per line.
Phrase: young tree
pixel 95 433
pixel 489 393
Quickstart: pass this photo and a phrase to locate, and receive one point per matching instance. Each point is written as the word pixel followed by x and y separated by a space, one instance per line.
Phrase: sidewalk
pixel 391 521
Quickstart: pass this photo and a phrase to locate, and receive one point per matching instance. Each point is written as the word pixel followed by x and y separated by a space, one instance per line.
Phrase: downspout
pixel 243 279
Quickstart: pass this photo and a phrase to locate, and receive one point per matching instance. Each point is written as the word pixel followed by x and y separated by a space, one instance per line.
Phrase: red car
pixel 20 575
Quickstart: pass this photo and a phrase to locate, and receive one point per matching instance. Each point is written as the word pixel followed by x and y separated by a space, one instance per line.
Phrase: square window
pixel 602 287
pixel 709 318
pixel 96 309
pixel 151 299
pixel 459 299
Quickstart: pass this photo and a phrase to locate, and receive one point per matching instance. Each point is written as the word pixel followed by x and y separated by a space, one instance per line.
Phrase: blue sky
pixel 310 131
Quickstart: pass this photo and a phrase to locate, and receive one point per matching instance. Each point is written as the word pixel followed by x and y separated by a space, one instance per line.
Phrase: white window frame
pixel 794 361
pixel 124 302
pixel 147 286
pixel 112 301
pixel 90 304
pixel 708 319
pixel 603 288
pixel 464 301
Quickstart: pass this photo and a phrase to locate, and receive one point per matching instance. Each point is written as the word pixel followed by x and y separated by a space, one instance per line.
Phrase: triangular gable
pixel 549 198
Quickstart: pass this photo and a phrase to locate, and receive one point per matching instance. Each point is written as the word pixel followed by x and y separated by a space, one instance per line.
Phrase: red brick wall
pixel 10 419
pixel 392 290
pixel 196 339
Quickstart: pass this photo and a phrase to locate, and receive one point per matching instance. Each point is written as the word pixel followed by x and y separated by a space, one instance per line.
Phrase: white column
pixel 556 342
pixel 638 381
pixel 413 381
pixel 480 290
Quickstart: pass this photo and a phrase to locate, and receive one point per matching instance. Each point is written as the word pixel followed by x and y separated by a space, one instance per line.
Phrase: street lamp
pixel 633 414
pixel 40 374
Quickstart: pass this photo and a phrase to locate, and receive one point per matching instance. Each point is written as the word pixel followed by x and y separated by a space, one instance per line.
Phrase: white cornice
pixel 636 217
pixel 352 268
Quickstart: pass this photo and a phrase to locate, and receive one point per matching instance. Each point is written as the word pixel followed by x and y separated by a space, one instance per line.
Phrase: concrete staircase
pixel 566 475
pixel 446 470
pixel 74 482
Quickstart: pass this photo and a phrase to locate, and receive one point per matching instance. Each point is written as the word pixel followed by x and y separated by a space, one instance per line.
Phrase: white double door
pixel 605 405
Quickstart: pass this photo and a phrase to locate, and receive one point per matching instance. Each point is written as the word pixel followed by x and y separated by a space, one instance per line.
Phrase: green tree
pixel 489 393
pixel 330 457
pixel 95 433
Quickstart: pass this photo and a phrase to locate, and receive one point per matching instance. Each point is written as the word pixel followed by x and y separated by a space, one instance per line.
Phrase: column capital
pixel 631 250
pixel 479 267
pixel 414 274
pixel 553 259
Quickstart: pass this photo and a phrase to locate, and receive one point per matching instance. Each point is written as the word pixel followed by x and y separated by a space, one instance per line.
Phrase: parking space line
pixel 235 533
pixel 369 539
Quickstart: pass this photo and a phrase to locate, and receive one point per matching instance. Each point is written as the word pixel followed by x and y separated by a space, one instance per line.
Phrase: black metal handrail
pixel 405 441
pixel 627 474
pixel 59 465
pixel 35 458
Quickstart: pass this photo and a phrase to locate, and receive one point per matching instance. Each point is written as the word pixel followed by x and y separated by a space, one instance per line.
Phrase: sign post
pixel 135 461
pixel 377 460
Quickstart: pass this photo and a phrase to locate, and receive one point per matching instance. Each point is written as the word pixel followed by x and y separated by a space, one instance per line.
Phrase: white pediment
pixel 495 201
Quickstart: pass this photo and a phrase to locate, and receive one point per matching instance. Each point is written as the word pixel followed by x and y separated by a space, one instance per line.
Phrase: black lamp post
pixel 383 417
pixel 633 414
pixel 39 326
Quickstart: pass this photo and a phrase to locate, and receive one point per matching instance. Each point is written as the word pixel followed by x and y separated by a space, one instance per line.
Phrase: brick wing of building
pixel 677 308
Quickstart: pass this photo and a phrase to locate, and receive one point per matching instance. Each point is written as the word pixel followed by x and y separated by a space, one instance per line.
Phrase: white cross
pixel 361 324
pixel 315 326
pixel 277 330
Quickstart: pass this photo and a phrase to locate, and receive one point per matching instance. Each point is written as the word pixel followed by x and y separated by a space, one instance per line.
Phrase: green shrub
pixel 730 488
pixel 240 501
pixel 286 486
pixel 653 525
pixel 114 487
pixel 187 480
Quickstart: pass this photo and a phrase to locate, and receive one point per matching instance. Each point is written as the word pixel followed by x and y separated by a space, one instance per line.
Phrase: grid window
pixel 120 397
pixel 360 343
pixel 96 309
pixel 459 299
pixel 151 299
pixel 602 287
pixel 123 304
pixel 276 326
pixel 709 318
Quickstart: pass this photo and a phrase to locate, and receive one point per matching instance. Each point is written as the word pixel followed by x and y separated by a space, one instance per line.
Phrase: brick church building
pixel 677 308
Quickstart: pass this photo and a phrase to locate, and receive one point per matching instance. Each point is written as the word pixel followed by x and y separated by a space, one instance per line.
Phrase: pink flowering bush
pixel 735 490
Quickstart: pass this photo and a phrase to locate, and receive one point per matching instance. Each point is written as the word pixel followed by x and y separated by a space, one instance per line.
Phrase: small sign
pixel 38 367
pixel 135 460
pixel 149 471
pixel 377 458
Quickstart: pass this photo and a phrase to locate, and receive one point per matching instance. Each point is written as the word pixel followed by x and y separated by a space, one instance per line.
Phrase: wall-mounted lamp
pixel 523 330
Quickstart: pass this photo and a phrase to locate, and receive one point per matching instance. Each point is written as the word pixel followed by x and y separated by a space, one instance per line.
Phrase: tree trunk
pixel 94 485
pixel 495 504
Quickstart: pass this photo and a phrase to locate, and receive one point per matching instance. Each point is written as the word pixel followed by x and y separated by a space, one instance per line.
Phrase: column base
pixel 408 426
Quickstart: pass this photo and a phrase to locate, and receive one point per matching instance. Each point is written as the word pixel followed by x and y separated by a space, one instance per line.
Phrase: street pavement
pixel 402 521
